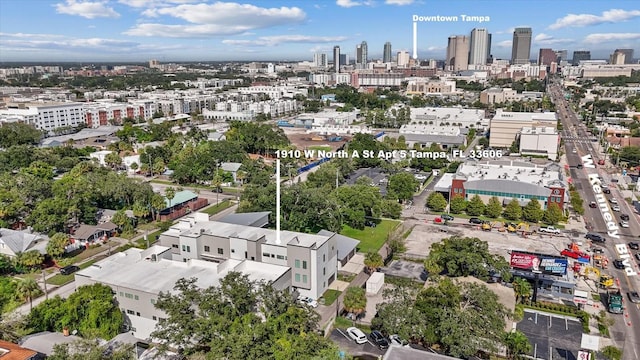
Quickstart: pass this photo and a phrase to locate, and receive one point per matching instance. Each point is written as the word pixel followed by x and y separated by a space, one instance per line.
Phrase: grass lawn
pixel 60 279
pixel 33 276
pixel 371 239
pixel 87 253
pixel 343 323
pixel 330 296
pixel 214 209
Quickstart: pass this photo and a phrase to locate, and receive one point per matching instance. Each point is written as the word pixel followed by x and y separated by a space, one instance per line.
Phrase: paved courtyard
pixel 552 337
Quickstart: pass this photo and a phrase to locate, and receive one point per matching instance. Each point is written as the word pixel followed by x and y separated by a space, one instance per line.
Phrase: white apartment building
pixel 274 92
pixel 505 126
pixel 320 79
pixel 540 141
pixel 46 116
pixel 312 258
pixel 138 276
pixel 453 115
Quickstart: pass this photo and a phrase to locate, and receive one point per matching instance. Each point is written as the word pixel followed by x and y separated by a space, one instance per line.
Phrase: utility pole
pixel 44 283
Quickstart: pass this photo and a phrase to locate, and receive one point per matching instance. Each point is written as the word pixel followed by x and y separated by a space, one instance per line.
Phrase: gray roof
pixel 507 186
pixel 84 134
pixel 396 352
pixel 230 166
pixel 43 342
pixel 438 139
pixel 345 243
pixel 248 219
pixel 20 241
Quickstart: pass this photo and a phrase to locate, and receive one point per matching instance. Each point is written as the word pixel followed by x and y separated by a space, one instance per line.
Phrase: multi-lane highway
pixel 580 144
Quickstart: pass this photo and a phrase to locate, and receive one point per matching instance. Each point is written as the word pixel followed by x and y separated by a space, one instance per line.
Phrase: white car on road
pixel 615 208
pixel 307 301
pixel 624 224
pixel 357 335
pixel 550 230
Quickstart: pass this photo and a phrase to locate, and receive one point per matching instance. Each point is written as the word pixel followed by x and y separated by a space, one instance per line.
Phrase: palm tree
pixel 27 289
pixel 522 289
pixel 517 344
pixel 170 193
pixel 373 261
pixel 355 300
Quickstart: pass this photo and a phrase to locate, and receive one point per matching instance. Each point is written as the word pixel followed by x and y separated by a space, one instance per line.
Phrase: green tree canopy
pixel 436 201
pixel 553 214
pixel 458 204
pixel 355 300
pixel 494 208
pixel 533 211
pixel 57 244
pixel 513 210
pixel 402 185
pixel 16 133
pixel 475 206
pixel 373 260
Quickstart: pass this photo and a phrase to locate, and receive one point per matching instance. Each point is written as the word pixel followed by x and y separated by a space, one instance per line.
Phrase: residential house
pixel 13 242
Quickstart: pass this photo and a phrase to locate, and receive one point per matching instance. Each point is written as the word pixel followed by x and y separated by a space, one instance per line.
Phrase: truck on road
pixel 614 301
pixel 550 230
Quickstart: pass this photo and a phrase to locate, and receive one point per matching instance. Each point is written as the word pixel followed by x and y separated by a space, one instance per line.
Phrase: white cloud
pixel 505 44
pixel 348 3
pixel 86 9
pixel 154 3
pixel 581 20
pixel 604 37
pixel 545 39
pixel 216 19
pixel 399 2
pixel 280 39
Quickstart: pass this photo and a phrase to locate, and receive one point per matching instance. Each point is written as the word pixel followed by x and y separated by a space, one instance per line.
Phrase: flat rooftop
pixel 524 116
pixel 222 229
pixel 514 170
pixel 527 130
pixel 135 269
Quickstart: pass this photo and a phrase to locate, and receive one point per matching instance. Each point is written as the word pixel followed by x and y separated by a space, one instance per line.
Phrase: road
pixel 579 143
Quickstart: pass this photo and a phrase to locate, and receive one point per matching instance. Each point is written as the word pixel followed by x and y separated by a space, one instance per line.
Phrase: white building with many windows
pixel 46 116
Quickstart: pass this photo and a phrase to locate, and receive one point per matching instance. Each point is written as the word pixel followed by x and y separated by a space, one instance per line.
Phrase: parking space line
pixel 566 324
pixel 343 334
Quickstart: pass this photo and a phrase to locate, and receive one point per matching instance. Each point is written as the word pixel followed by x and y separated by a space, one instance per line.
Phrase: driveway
pixel 345 343
pixel 552 337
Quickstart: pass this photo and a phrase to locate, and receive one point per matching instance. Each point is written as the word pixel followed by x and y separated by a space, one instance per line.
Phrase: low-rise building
pixel 14 242
pixel 540 141
pixel 138 276
pixel 505 126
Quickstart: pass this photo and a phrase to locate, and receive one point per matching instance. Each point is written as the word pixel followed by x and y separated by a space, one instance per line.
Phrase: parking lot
pixel 552 337
pixel 345 343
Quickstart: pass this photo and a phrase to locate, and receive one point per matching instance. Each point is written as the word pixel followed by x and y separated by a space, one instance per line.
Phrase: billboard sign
pixel 539 263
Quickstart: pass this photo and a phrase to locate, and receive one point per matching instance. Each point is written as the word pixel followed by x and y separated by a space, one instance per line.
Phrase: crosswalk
pixel 577 139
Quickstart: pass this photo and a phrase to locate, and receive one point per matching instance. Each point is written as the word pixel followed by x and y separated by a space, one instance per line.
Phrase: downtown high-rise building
pixel 344 59
pixel 386 53
pixel 479 47
pixel 336 59
pixel 403 58
pixel 320 60
pixel 628 55
pixel 562 55
pixel 457 53
pixel 580 55
pixel 521 47
pixel 547 56
pixel 362 55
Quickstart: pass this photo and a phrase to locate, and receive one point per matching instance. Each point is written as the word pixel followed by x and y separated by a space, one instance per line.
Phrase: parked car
pixel 446 217
pixel 613 201
pixel 624 224
pixel 357 335
pixel 304 300
pixel 606 191
pixel 549 230
pixel 615 208
pixel 68 270
pixel 579 166
pixel 634 246
pixel 593 205
pixel 624 217
pixel 597 250
pixel 634 297
pixel 595 237
pixel 396 340
pixel 618 264
pixel 637 256
pixel 475 220
pixel 379 339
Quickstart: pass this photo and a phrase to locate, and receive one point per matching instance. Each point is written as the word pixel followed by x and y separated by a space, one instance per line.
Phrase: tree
pixel 494 208
pixel 140 210
pixel 436 202
pixel 121 219
pixel 402 185
pixel 522 289
pixel 373 260
pixel 90 349
pixel 475 207
pixel 30 259
pixel 134 166
pixel 532 211
pixel 458 204
pixel 355 300
pixel 57 244
pixel 17 133
pixel 157 204
pixel 27 289
pixel 113 160
pixel 456 256
pixel 170 193
pixel 553 214
pixel 513 210
pixel 517 344
pixel 611 352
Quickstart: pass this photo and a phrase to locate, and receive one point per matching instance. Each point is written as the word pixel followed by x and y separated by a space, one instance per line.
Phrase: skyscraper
pixel 320 60
pixel 562 55
pixel 386 53
pixel 521 48
pixel 403 58
pixel 336 59
pixel 480 47
pixel 579 56
pixel 457 53
pixel 362 55
pixel 546 57
pixel 628 55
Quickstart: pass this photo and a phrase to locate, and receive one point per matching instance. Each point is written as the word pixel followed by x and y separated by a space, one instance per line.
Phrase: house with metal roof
pixel 14 242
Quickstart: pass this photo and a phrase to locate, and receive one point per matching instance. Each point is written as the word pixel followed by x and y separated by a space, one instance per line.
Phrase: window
pixel 153 301
pixel 220 251
pixel 297 264
pixel 324 257
pixel 175 246
pixel 121 294
pixel 324 271
pixel 128 296
pixel 297 277
pixel 207 249
pixel 304 264
pixel 184 248
pixel 280 257
pixel 137 313
pixel 304 279
pixel 154 317
pixel 266 255
pixel 188 248
pixel 130 312
pixel 136 297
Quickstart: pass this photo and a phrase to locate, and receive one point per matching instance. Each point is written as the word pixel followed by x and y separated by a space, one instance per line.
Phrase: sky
pixel 272 30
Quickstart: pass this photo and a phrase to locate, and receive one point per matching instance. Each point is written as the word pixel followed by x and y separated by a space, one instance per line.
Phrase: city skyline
pixel 198 30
